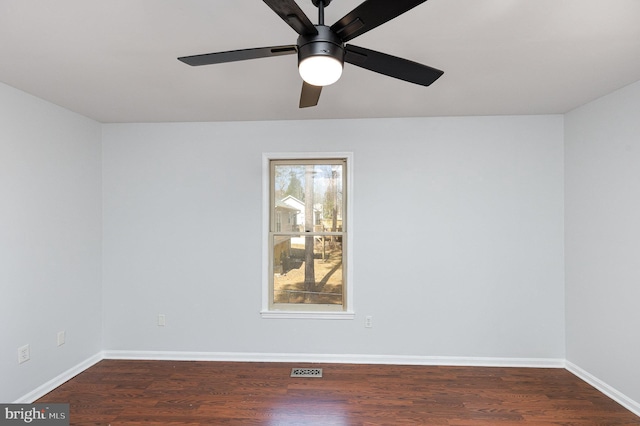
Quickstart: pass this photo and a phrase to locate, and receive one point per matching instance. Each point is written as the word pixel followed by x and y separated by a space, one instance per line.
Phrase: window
pixel 307 236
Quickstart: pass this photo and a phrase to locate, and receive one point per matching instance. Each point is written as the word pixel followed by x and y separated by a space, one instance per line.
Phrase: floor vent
pixel 306 372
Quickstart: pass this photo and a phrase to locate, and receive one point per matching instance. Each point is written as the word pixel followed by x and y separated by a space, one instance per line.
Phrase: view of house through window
pixel 307 234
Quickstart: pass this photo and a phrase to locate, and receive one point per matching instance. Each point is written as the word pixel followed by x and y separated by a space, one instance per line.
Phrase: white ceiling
pixel 115 60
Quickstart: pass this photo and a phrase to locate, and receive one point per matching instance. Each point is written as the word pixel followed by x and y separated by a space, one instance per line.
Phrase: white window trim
pixel 348 312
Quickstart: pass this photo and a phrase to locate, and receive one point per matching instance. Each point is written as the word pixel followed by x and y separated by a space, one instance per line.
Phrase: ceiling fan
pixel 322 50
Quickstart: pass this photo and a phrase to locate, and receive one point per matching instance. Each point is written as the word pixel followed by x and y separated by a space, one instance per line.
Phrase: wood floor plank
pixel 120 392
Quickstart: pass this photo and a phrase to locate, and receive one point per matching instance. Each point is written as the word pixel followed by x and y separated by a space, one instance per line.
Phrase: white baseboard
pixel 337 358
pixel 44 389
pixel 603 387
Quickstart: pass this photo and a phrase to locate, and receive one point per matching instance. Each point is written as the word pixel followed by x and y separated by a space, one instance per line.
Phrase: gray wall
pixel 458 237
pixel 50 240
pixel 459 226
pixel 603 239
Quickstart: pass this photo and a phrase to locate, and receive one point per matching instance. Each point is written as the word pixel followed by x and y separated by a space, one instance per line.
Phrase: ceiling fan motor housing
pixel 325 43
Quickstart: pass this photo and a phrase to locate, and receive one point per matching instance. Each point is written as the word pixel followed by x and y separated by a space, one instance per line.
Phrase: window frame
pixel 311 311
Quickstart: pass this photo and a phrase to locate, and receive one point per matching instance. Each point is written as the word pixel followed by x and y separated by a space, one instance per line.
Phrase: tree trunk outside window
pixel 309 271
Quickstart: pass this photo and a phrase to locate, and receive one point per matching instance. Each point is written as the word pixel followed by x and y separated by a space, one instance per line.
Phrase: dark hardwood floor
pixel 120 392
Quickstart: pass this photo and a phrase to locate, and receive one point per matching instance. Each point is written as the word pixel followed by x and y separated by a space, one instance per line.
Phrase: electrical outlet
pixel 24 354
pixel 161 320
pixel 61 338
pixel 368 321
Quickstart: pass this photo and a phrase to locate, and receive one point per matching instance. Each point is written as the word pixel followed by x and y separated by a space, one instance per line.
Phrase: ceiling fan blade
pixel 310 95
pixel 291 13
pixel 238 55
pixel 392 66
pixel 370 14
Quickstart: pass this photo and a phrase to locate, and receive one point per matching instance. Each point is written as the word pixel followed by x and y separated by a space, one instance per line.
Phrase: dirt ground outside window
pixel 289 286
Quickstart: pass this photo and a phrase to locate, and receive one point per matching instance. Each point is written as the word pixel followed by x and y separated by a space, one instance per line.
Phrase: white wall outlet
pixel 61 338
pixel 24 354
pixel 368 321
pixel 162 321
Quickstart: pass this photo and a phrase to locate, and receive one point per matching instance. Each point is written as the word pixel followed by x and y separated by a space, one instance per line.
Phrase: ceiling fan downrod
pixel 321 4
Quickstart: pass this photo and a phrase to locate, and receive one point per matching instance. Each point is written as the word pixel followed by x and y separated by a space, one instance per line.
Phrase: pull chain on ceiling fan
pixel 322 51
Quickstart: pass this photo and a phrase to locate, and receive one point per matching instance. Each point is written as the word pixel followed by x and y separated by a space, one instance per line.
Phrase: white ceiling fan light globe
pixel 320 70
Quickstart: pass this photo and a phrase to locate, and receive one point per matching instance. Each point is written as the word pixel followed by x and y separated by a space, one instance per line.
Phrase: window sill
pixel 308 315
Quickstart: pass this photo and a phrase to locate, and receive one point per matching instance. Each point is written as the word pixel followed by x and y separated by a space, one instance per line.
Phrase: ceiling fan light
pixel 320 70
